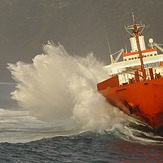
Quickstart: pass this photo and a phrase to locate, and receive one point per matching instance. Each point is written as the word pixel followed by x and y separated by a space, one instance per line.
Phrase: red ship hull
pixel 142 100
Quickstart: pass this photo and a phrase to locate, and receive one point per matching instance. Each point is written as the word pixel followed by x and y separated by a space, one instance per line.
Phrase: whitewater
pixel 54 113
pixel 57 95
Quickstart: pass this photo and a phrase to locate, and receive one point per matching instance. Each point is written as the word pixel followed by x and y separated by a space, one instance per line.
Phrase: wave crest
pixel 57 85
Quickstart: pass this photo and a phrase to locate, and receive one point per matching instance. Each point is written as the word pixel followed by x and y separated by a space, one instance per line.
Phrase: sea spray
pixel 59 86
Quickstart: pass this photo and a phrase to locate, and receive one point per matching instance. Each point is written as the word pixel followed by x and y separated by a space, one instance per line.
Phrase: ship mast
pixel 136 32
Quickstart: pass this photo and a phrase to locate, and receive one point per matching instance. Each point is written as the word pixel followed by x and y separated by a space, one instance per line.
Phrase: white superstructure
pixel 131 60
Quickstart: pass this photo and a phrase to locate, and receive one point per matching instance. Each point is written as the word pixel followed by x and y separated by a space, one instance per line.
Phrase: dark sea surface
pixel 26 139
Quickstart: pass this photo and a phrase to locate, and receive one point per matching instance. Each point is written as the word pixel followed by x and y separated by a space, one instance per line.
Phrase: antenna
pixel 108 45
pixel 130 28
pixel 111 57
pixel 133 18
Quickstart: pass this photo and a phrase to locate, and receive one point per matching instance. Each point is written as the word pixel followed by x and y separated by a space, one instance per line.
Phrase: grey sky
pixel 80 26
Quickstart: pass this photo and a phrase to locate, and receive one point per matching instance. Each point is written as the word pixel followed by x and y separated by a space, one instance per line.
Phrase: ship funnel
pixel 134 43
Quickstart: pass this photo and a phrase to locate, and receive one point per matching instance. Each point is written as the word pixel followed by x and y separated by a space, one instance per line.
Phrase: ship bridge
pixel 131 60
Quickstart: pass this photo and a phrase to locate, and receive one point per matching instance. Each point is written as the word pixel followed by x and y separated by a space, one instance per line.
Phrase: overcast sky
pixel 81 26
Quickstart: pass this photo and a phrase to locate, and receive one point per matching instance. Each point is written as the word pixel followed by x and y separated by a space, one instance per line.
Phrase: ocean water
pixel 53 113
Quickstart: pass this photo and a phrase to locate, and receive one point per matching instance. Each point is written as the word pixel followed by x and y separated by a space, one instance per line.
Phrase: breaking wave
pixel 59 93
pixel 60 86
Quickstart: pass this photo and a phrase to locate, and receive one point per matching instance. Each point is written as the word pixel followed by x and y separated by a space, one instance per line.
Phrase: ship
pixel 135 84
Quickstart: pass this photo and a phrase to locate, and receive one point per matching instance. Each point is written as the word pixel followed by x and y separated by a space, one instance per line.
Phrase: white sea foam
pixel 58 86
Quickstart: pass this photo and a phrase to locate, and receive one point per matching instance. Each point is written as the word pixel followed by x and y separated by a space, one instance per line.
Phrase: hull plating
pixel 143 101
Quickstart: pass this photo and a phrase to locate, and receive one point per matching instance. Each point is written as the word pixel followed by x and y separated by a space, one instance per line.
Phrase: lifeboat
pixel 136 82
